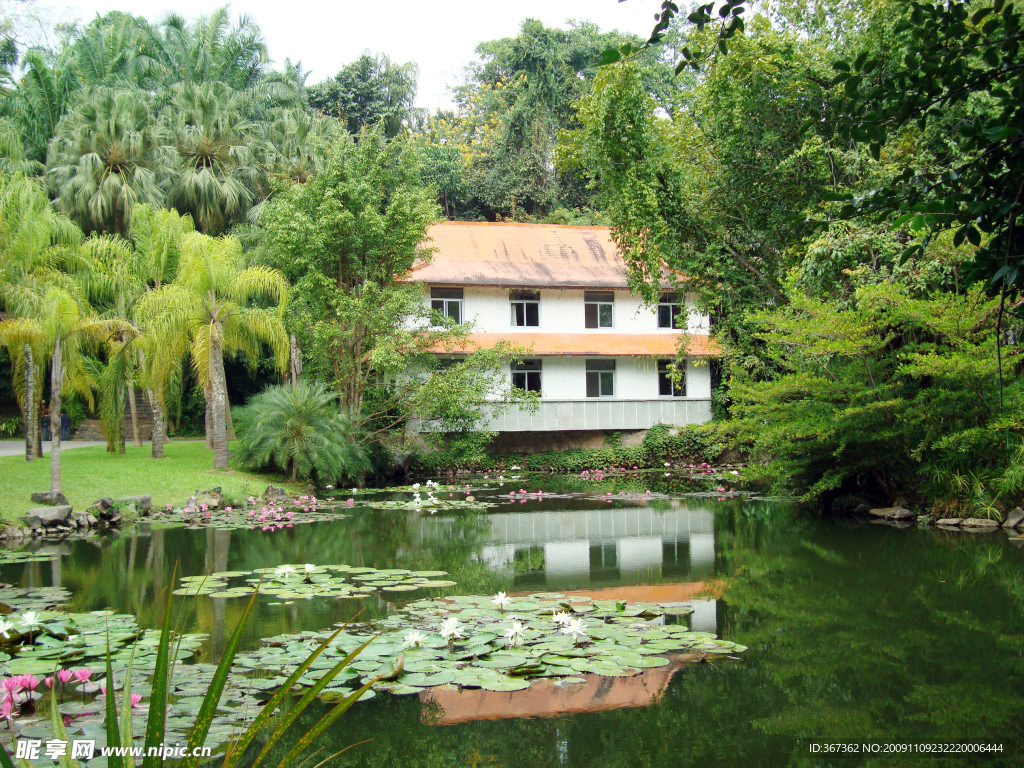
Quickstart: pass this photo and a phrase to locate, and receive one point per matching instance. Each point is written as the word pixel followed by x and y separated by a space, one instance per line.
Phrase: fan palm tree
pixel 30 232
pixel 218 174
pixel 293 143
pixel 207 311
pixel 108 155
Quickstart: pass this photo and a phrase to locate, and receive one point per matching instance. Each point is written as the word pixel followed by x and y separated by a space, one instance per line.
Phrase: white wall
pixel 561 311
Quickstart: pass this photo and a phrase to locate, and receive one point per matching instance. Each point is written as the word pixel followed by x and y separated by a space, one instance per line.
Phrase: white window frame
pixel 515 297
pixel 587 301
pixel 447 303
pixel 676 305
pixel 536 365
pixel 678 390
pixel 600 373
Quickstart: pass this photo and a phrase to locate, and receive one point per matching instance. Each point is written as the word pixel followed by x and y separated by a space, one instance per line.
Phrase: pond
pixel 855 631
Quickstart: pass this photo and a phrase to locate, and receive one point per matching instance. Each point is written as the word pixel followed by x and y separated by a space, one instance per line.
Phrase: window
pixel 597 308
pixel 668 310
pixel 600 378
pixel 667 386
pixel 525 308
pixel 447 301
pixel 446 363
pixel 526 375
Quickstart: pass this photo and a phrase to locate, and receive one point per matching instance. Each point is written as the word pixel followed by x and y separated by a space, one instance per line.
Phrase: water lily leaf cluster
pixel 432 504
pixel 618 639
pixel 222 520
pixel 25 556
pixel 302 581
pixel 32 598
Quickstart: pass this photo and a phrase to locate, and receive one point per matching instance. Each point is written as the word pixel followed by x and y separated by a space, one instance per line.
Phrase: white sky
pixel 439 36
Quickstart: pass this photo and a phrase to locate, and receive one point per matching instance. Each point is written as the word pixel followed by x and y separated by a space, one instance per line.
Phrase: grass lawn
pixel 88 474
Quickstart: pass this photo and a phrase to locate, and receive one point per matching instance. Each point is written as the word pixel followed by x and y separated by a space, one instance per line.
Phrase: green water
pixel 856 632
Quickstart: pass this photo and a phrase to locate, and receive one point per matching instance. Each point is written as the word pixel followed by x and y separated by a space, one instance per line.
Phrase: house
pixel 600 360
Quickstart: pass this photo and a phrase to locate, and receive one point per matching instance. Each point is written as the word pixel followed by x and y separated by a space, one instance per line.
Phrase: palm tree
pixel 108 155
pixel 218 175
pixel 30 233
pixel 293 143
pixel 157 235
pixel 208 310
pixel 42 97
pixel 117 50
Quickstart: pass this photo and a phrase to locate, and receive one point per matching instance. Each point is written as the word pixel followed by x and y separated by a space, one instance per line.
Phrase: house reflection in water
pixel 633 553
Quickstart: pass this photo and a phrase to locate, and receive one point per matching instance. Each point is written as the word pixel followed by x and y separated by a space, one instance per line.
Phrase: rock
pixel 1015 518
pixel 115 518
pixel 980 522
pixel 211 498
pixel 91 519
pixel 80 519
pixel 892 513
pixel 471 498
pixel 892 523
pixel 143 502
pixel 46 516
pixel 100 506
pixel 53 498
pixel 275 495
pixel 850 505
pixel 129 509
pixel 948 522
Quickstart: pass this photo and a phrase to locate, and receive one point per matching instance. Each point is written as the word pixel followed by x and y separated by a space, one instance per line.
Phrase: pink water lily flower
pixel 30 682
pixel 7 711
pixel 203 507
pixel 82 674
pixel 136 698
pixel 227 509
pixel 65 675
pixel 49 682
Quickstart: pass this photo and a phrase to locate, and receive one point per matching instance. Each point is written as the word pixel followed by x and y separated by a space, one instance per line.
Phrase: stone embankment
pixel 58 518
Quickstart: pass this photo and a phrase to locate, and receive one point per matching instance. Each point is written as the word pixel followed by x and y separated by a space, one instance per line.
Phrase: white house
pixel 599 358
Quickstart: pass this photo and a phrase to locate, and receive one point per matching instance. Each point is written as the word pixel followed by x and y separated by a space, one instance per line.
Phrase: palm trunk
pixel 136 439
pixel 229 424
pixel 217 400
pixel 56 382
pixel 295 359
pixel 209 420
pixel 120 429
pixel 158 425
pixel 37 408
pixel 30 385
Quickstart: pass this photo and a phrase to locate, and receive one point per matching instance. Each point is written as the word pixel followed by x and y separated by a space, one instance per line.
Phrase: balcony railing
pixel 599 414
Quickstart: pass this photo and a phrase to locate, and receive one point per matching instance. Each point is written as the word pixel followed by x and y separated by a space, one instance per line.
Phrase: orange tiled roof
pixel 520 255
pixel 596 344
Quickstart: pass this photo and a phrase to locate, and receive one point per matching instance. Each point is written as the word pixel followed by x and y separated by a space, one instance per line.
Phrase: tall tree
pixel 370 90
pixel 110 153
pixel 210 309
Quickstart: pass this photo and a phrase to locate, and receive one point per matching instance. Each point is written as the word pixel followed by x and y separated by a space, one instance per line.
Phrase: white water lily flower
pixel 415 486
pixel 561 618
pixel 515 635
pixel 6 627
pixel 576 628
pixel 284 571
pixel 310 569
pixel 413 639
pixel 329 487
pixel 450 629
pixel 501 600
pixel 30 619
pixel 515 468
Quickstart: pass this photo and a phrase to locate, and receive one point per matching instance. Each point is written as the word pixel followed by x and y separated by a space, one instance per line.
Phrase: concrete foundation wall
pixel 539 442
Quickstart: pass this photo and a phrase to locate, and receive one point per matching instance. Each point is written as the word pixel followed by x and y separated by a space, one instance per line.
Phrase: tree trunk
pixel 295 359
pixel 209 420
pixel 228 422
pixel 136 438
pixel 30 428
pixel 120 429
pixel 158 425
pixel 37 427
pixel 56 382
pixel 217 400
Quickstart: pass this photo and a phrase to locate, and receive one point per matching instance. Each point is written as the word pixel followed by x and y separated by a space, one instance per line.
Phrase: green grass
pixel 89 474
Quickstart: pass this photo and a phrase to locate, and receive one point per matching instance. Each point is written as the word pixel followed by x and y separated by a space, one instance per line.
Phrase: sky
pixel 439 36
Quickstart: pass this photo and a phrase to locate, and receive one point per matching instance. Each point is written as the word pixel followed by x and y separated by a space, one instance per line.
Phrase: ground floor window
pixel 600 378
pixel 526 375
pixel 668 383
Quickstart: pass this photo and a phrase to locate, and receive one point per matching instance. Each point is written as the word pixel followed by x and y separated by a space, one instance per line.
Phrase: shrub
pixel 297 429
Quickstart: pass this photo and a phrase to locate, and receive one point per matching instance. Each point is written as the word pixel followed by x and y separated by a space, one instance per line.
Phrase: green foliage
pixel 695 443
pixel 888 396
pixel 371 90
pixel 297 429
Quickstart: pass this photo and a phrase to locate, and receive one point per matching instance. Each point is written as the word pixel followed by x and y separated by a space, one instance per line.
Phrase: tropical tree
pixel 109 154
pixel 208 310
pixel 218 176
pixel 370 90
pixel 297 429
pixel 294 143
pixel 41 99
pixel 30 230
pixel 118 50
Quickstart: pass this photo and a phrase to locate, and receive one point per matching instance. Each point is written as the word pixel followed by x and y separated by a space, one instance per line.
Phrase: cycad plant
pixel 208 310
pixel 297 429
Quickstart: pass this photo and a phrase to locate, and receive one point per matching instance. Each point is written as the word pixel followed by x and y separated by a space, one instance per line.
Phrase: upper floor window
pixel 668 383
pixel 525 308
pixel 447 301
pixel 601 378
pixel 526 375
pixel 598 306
pixel 668 310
